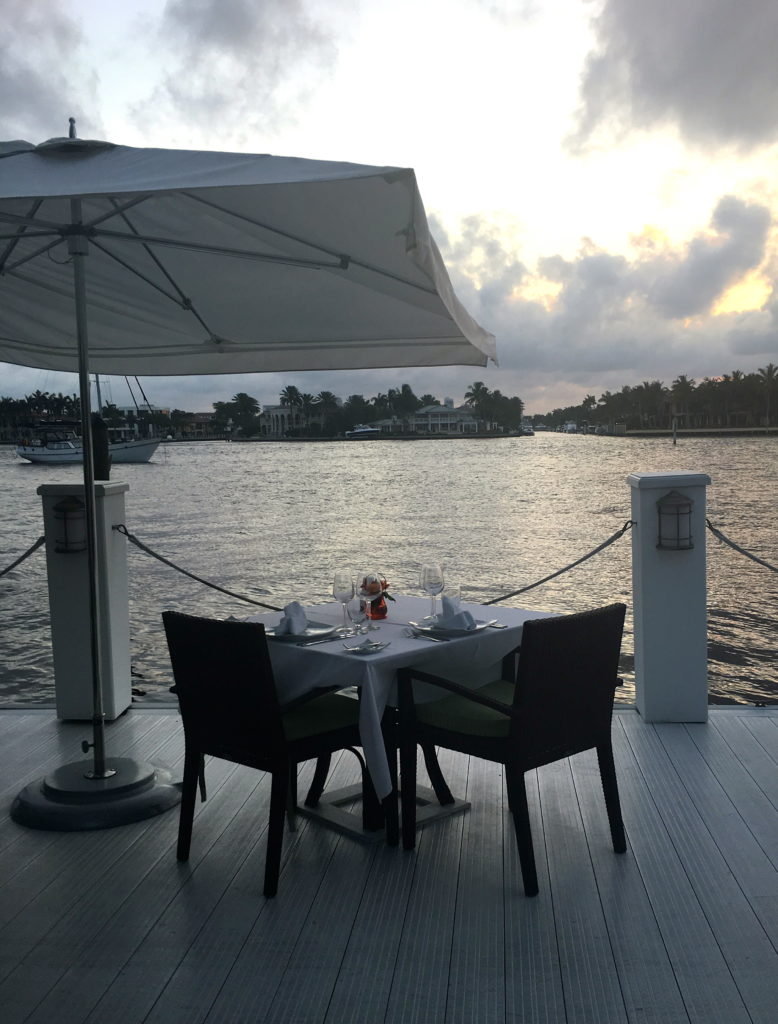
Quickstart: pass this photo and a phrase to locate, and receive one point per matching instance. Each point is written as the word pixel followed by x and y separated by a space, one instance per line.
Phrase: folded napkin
pixel 452 617
pixel 293 620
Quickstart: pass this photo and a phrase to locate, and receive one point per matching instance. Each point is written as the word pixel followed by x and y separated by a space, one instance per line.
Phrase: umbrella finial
pixel 72 131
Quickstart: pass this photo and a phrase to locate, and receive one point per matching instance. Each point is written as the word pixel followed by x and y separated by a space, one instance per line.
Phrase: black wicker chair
pixel 561 704
pixel 229 707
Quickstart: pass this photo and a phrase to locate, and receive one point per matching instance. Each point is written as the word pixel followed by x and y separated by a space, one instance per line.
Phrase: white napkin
pixel 452 617
pixel 293 619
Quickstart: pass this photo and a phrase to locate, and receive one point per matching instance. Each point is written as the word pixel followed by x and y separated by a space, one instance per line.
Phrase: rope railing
pixel 600 547
pixel 38 543
pixel 736 547
pixel 250 600
pixel 121 528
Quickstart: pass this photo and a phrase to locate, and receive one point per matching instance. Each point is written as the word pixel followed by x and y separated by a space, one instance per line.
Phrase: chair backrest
pixel 225 687
pixel 567 675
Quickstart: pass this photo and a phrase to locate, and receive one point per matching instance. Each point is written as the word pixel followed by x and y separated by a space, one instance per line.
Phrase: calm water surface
pixel 272 521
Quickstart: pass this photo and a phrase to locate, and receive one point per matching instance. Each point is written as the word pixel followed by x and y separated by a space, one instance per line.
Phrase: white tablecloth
pixel 471 660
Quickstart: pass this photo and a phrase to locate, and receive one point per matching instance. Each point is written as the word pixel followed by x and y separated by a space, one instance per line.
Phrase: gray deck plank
pixel 91 945
pixel 151 740
pixel 645 972
pixel 743 780
pixel 726 867
pixel 52 877
pixel 381 923
pixel 533 978
pixel 477 979
pixel 420 984
pixel 656 808
pixel 276 943
pixel 196 888
pixel 108 926
pixel 589 977
pixel 765 732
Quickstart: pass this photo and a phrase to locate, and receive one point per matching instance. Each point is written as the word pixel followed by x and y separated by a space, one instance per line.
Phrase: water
pixel 275 520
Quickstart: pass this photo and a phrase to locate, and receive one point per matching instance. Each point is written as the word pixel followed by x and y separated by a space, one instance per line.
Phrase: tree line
pixel 327 415
pixel 735 399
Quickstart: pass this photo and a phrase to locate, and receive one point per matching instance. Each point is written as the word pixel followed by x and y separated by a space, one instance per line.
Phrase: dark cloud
pixel 609 320
pixel 249 63
pixel 42 78
pixel 689 285
pixel 707 66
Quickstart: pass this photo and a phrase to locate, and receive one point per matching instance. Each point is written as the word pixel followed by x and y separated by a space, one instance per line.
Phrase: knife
pixel 312 643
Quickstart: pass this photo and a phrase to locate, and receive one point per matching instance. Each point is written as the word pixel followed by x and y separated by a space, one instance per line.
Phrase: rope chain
pixel 40 541
pixel 214 586
pixel 600 547
pixel 495 600
pixel 736 547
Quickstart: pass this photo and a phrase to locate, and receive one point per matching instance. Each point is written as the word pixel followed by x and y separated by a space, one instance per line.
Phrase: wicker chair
pixel 229 707
pixel 561 704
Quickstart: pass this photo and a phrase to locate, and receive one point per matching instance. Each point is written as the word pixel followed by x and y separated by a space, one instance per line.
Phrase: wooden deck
pixel 107 926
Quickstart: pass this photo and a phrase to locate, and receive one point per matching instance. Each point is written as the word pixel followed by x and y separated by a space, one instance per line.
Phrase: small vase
pixel 377 609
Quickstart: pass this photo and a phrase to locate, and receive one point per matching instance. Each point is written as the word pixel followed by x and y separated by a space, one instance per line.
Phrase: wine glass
pixel 343 591
pixel 431 582
pixel 369 589
pixel 357 612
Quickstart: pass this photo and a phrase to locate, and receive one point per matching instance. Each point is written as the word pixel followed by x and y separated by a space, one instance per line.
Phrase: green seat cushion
pixel 458 714
pixel 323 714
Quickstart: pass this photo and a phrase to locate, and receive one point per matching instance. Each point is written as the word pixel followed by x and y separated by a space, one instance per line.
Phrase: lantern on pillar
pixel 675 522
pixel 70 525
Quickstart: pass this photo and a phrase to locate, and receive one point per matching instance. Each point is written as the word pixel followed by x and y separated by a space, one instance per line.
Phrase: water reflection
pixel 276 518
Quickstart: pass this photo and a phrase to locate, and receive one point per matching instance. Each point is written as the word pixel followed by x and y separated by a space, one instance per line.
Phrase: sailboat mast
pixel 99 396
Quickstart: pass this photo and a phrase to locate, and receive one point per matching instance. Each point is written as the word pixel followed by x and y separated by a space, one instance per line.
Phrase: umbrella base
pixel 68 800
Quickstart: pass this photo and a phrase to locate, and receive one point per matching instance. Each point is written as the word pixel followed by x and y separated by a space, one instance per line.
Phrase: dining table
pixel 474 657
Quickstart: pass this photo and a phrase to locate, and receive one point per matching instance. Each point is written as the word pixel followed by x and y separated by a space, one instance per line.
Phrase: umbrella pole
pixel 76 797
pixel 78 246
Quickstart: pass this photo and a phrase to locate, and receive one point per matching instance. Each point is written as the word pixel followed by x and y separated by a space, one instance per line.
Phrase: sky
pixel 600 175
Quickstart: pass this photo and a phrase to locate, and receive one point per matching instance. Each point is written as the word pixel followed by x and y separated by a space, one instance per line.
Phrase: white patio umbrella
pixel 117 260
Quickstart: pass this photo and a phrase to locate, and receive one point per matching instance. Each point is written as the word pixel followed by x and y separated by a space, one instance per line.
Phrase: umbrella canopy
pixel 148 261
pixel 206 262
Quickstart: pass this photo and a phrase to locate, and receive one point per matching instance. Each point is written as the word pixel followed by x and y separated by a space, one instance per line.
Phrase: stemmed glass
pixel 357 611
pixel 431 582
pixel 343 591
pixel 369 589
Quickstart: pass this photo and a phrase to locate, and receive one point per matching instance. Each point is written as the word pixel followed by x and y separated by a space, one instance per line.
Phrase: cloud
pixel 246 65
pixel 689 285
pixel 707 66
pixel 617 319
pixel 42 81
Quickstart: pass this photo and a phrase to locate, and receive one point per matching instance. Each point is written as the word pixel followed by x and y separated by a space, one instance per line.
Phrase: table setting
pixel 342 643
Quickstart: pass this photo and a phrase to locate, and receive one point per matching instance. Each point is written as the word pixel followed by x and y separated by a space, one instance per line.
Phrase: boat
pixel 57 445
pixel 362 430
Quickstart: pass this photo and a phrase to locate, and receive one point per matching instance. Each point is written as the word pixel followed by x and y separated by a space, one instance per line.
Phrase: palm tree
pixel 477 397
pixel 682 391
pixel 381 404
pixel 307 406
pixel 476 393
pixel 245 412
pixel 291 396
pixel 768 379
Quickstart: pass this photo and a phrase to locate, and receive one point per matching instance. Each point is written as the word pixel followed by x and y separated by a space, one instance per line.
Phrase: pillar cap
pixel 644 481
pixel 102 488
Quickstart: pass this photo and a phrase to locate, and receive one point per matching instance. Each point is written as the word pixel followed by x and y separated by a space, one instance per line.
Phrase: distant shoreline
pixel 654 433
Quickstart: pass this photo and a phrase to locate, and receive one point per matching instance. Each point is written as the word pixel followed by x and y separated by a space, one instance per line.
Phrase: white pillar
pixel 69 605
pixel 669 604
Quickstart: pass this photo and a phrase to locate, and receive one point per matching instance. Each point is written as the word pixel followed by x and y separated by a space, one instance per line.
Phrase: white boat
pixel 361 430
pixel 57 446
